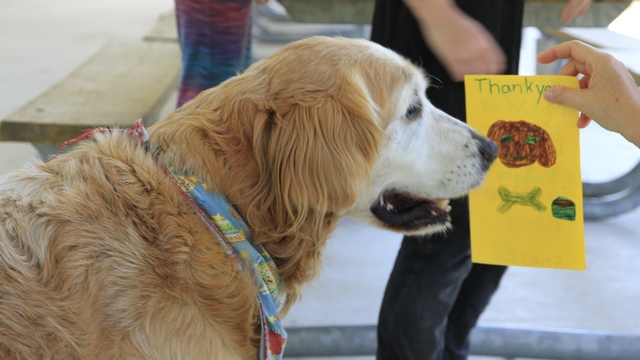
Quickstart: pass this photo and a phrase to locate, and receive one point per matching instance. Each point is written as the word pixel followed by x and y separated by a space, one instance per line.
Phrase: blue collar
pixel 234 234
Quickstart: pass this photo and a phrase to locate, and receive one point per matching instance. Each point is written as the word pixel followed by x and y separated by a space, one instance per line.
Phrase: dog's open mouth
pixel 405 212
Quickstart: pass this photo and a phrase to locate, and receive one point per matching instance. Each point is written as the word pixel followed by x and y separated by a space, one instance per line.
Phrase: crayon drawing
pixel 522 144
pixel 528 211
pixel 530 199
pixel 563 208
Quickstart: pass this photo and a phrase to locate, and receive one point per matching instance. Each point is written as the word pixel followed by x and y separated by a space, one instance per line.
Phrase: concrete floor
pixel 42 41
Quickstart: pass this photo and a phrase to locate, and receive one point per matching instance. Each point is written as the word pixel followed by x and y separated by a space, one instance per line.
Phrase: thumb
pixel 565 96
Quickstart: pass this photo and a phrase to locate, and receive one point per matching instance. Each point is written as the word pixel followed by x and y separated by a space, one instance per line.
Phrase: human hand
pixel 461 44
pixel 573 9
pixel 607 92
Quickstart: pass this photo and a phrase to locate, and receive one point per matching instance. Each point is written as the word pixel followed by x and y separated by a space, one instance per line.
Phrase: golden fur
pixel 102 258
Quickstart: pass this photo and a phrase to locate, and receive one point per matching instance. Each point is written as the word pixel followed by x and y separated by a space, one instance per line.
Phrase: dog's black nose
pixel 488 150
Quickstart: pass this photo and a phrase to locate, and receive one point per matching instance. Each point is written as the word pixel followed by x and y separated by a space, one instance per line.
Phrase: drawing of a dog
pixel 522 143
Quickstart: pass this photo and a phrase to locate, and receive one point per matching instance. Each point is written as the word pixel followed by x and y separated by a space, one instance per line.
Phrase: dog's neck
pixel 295 244
pixel 235 236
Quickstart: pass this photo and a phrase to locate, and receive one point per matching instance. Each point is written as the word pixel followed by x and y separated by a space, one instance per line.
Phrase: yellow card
pixel 529 211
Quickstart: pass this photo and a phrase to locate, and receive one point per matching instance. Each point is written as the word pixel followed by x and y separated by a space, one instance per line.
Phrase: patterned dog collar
pixel 233 233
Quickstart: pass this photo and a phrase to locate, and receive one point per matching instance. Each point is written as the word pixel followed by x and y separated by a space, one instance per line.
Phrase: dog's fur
pixel 101 257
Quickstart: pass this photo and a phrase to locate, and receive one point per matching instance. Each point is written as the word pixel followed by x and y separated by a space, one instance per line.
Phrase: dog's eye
pixel 414 111
pixel 506 139
pixel 531 140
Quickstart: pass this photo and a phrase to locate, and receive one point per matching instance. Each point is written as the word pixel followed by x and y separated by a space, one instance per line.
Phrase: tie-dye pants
pixel 215 38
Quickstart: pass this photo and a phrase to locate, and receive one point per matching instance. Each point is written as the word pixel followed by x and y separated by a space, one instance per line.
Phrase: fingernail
pixel 548 95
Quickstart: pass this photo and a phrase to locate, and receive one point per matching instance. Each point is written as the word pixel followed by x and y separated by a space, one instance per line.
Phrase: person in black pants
pixel 435 295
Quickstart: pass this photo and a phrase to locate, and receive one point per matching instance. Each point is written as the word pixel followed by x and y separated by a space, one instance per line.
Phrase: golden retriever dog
pixel 101 257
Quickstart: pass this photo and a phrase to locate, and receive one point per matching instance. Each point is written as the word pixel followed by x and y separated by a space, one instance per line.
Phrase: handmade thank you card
pixel 529 210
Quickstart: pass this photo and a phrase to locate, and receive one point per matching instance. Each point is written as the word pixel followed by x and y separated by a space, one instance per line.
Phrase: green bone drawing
pixel 510 198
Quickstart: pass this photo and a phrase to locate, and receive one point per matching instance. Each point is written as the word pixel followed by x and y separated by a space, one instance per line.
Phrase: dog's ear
pixel 546 150
pixel 323 148
pixel 496 131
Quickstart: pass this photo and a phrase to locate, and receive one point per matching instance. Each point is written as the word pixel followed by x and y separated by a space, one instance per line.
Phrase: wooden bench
pixel 122 82
pixel 165 29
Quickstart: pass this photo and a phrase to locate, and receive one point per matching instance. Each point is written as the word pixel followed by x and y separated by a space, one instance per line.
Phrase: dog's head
pixel 522 143
pixel 328 127
pixel 325 128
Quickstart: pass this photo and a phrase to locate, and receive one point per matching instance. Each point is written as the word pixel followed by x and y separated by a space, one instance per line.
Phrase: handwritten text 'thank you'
pixel 522 86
